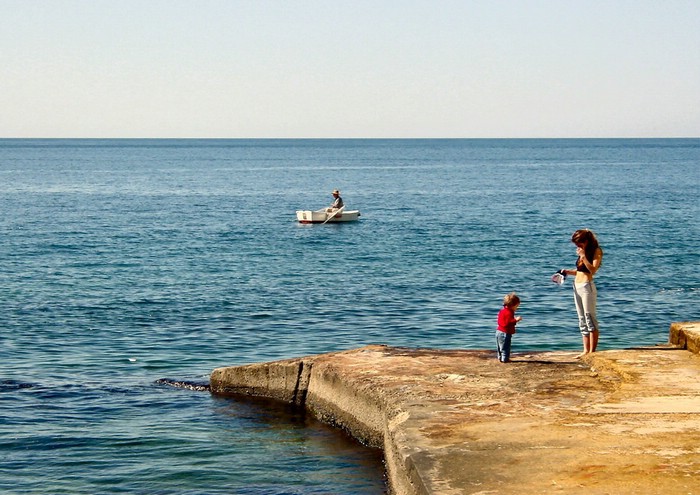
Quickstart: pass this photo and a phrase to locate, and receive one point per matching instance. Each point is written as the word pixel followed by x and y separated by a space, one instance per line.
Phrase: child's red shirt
pixel 506 320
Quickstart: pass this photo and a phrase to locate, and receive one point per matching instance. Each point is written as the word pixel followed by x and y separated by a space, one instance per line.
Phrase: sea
pixel 131 268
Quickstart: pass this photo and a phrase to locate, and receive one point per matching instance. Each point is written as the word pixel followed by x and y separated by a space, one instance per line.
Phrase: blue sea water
pixel 130 261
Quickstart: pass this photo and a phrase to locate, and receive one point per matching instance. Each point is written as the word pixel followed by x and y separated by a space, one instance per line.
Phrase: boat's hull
pixel 320 216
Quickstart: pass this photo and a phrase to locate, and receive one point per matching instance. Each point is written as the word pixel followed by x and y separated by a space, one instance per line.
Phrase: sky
pixel 349 69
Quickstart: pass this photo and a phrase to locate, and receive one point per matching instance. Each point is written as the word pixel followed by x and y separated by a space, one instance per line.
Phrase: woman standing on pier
pixel 590 256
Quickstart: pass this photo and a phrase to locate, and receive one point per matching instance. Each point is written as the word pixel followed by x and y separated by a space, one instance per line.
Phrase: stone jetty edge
pixel 346 390
pixel 686 335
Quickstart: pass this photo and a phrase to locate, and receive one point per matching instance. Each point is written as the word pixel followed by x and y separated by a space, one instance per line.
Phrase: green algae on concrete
pixel 460 422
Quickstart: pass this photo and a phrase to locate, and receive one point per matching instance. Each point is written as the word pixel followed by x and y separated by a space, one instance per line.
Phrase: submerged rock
pixel 200 387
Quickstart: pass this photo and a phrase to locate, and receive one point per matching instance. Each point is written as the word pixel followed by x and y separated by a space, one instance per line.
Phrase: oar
pixel 334 214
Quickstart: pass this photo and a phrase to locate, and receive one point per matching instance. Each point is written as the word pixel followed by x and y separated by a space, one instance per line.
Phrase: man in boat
pixel 337 201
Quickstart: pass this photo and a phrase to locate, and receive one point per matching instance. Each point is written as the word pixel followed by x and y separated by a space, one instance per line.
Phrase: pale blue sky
pixel 356 68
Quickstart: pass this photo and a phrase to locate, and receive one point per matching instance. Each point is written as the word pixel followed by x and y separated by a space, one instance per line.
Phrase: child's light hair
pixel 511 300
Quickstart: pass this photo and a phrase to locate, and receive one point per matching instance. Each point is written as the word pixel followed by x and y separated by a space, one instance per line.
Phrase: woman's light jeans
pixel 585 295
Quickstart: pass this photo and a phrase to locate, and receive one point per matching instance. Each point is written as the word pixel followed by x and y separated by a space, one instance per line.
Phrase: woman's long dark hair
pixel 586 236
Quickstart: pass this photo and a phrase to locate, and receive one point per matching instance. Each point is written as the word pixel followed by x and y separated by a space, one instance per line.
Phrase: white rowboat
pixel 322 216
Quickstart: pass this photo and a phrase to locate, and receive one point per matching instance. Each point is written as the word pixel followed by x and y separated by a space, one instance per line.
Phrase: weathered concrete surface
pixel 686 335
pixel 460 422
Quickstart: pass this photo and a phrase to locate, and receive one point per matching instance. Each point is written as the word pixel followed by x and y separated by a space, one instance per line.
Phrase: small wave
pixel 259 316
pixel 7 385
pixel 678 290
pixel 201 387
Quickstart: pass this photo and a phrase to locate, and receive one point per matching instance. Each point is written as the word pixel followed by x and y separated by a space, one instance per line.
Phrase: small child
pixel 506 326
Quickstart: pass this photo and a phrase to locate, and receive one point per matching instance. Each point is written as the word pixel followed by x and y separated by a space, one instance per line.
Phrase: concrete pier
pixel 459 422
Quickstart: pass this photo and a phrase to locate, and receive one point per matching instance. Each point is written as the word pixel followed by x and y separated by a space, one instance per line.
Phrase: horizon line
pixel 338 138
